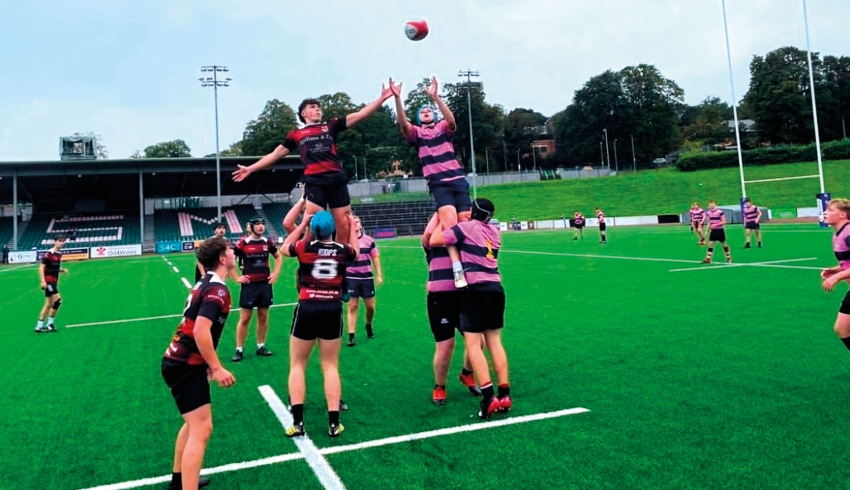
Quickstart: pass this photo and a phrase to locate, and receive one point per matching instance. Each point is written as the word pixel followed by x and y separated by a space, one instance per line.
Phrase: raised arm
pixel 295 235
pixel 444 109
pixel 356 117
pixel 242 172
pixel 403 124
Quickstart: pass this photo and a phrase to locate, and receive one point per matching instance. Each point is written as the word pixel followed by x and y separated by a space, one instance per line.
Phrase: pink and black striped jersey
pixel 716 218
pixel 697 215
pixel 751 213
pixel 841 247
pixel 479 245
pixel 436 153
pixel 361 268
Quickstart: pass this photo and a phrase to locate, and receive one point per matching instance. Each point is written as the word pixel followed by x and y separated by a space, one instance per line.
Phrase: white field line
pixel 591 256
pixel 186 282
pixel 327 476
pixel 15 268
pixel 772 263
pixel 352 447
pixel 110 322
pixel 176 269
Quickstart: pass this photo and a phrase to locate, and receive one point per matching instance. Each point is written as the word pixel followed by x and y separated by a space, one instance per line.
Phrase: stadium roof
pixel 60 183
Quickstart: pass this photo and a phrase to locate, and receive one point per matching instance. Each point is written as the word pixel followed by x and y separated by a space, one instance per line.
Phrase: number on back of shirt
pixel 324 269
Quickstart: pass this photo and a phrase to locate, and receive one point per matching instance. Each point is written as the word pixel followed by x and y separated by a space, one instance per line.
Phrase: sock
pixel 260 346
pixel 465 372
pixel 728 253
pixel 177 479
pixel 350 336
pixel 487 391
pixel 457 267
pixel 368 327
pixel 759 244
pixel 846 341
pixel 239 349
pixel 504 390
pixel 333 417
pixel 50 320
pixel 39 324
pixel 298 413
pixel 710 253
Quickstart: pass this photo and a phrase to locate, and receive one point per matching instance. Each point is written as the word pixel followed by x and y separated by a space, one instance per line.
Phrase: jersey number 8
pixel 325 269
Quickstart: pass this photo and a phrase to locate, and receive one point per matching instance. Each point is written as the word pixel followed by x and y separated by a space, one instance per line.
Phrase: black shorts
pixel 752 225
pixel 454 193
pixel 579 227
pixel 361 288
pixel 602 226
pixel 482 307
pixel 444 314
pixel 845 304
pixel 189 384
pixel 317 320
pixel 717 235
pixel 50 289
pixel 256 295
pixel 328 195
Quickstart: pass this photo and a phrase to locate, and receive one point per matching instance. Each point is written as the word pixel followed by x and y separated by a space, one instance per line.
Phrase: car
pixel 659 162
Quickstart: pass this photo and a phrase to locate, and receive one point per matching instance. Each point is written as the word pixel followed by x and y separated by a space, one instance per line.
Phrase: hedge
pixel 834 150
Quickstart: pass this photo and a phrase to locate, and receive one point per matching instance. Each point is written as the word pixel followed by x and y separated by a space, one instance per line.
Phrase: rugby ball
pixel 416 30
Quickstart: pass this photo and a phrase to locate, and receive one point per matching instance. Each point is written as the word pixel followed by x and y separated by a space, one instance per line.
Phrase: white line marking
pixel 320 465
pixel 186 282
pixel 15 268
pixel 591 256
pixel 753 264
pixel 352 447
pixel 176 269
pixel 110 322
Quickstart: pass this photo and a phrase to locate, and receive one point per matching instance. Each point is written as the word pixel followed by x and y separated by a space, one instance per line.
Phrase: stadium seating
pixel 5 231
pixel 91 229
pixel 276 211
pixel 197 223
pixel 407 218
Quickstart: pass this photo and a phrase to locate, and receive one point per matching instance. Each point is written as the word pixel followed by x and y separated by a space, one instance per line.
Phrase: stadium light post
pixel 355 169
pixel 607 151
pixel 843 127
pixel 534 156
pixel 616 162
pixel 634 160
pixel 601 155
pixel 214 82
pixel 469 74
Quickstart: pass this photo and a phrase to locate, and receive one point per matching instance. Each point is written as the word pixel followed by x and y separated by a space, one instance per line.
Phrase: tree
pixel 522 126
pixel 269 130
pixel 488 123
pixel 168 149
pixel 235 150
pixel 710 126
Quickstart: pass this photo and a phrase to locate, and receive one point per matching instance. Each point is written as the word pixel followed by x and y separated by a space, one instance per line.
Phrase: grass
pixel 662 191
pixel 729 377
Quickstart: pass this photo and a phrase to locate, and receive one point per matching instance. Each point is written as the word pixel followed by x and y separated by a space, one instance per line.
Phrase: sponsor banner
pixel 68 253
pixel 115 251
pixel 188 246
pixel 27 257
pixel 823 202
pixel 784 213
pixel 503 226
pixel 384 233
pixel 168 247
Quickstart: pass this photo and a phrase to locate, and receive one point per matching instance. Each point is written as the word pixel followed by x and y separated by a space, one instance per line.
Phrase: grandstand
pixel 197 223
pixel 81 229
pixel 275 212
pixel 406 218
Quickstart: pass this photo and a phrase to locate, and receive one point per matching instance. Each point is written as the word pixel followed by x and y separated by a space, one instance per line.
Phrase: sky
pixel 128 70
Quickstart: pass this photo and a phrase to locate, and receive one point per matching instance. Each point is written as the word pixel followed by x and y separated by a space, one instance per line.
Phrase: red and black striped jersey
pixel 210 299
pixel 316 144
pixel 255 257
pixel 321 269
pixel 52 264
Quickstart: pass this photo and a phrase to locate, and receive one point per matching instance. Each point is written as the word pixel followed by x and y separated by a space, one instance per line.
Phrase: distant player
pixel 482 307
pixel 218 232
pixel 697 219
pixel 318 315
pixel 446 181
pixel 717 233
pixel 361 282
pixel 444 316
pixel 326 185
pixel 48 274
pixel 257 280
pixel 600 218
pixel 752 222
pixel 190 362
pixel 578 220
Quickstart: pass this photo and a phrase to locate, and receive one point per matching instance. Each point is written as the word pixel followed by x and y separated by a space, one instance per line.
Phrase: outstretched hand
pixel 431 88
pixel 241 173
pixel 387 92
pixel 395 89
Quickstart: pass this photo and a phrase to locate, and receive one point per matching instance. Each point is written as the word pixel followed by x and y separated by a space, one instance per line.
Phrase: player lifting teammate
pixel 361 282
pixel 48 274
pixel 318 315
pixel 446 182
pixel 717 232
pixel 752 222
pixel 218 232
pixel 482 307
pixel 444 316
pixel 257 281
pixel 325 184
pixel 190 362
